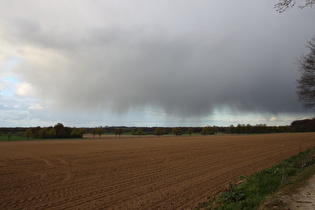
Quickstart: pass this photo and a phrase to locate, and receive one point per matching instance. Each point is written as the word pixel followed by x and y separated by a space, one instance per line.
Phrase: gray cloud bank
pixel 186 57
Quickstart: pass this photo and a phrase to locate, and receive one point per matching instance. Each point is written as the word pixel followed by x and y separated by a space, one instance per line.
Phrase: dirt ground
pixel 134 173
pixel 304 198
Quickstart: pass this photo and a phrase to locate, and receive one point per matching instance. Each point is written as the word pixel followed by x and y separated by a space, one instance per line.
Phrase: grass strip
pixel 15 138
pixel 277 201
pixel 254 190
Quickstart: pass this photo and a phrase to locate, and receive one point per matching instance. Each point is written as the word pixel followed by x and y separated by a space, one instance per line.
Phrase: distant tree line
pixel 52 132
pixel 306 125
pixel 61 131
pixel 259 128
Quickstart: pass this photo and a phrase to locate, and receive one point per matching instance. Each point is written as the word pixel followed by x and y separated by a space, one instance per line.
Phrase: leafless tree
pixel 306 84
pixel 285 5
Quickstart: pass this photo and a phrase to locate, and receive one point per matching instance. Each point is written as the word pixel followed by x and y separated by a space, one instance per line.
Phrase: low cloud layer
pixel 186 58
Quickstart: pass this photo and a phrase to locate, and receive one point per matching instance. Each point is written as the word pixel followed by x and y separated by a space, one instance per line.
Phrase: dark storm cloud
pixel 200 57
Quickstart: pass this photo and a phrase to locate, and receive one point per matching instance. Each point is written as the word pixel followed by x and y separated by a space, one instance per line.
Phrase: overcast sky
pixel 150 62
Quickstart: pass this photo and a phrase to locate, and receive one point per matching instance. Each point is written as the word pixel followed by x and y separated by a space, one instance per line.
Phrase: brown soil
pixel 134 173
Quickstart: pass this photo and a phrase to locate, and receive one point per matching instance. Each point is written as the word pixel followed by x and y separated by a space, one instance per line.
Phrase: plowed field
pixel 134 173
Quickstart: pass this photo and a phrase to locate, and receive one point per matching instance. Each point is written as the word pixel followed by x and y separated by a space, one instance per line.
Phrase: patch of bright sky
pixel 226 117
pixel 8 79
pixel 15 110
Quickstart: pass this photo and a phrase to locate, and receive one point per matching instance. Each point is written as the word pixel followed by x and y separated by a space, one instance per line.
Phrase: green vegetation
pixel 59 131
pixel 209 130
pixel 259 128
pixel 296 182
pixel 75 132
pixel 158 131
pixel 94 132
pixel 14 138
pixel 140 132
pixel 43 133
pixel 28 133
pixel 205 130
pixel 118 132
pixel 177 131
pixel 190 131
pixel 253 191
pixel 9 136
pixel 100 131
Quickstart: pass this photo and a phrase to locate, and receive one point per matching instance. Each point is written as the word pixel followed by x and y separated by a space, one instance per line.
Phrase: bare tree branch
pixel 285 5
pixel 306 84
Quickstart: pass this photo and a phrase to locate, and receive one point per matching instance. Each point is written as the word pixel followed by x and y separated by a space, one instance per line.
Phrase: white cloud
pixel 25 90
pixel 7 52
pixel 272 119
pixel 35 107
